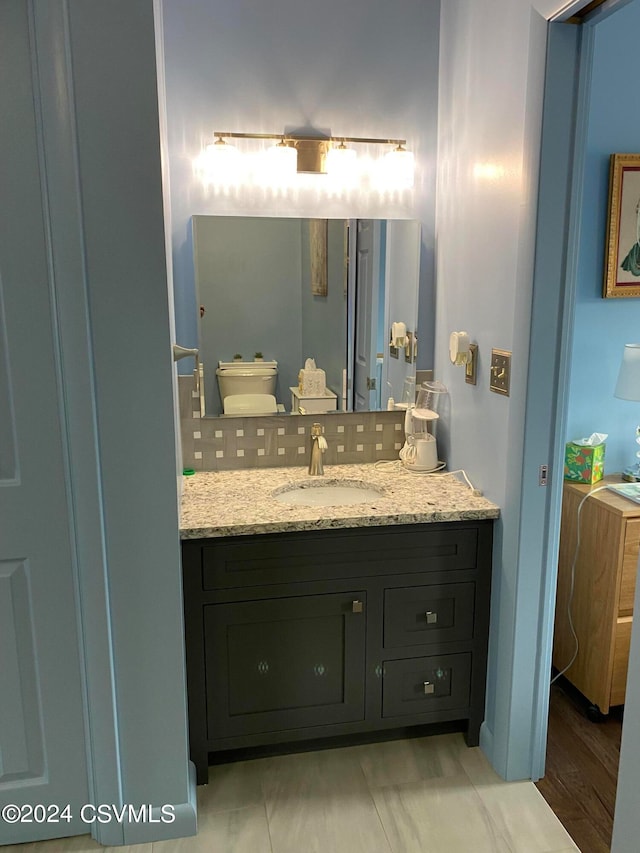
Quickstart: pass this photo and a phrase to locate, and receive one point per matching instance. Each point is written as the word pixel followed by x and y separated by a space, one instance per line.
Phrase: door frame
pixel 566 111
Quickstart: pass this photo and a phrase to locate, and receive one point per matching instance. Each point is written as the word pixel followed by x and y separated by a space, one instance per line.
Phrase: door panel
pixel 42 747
pixel 21 746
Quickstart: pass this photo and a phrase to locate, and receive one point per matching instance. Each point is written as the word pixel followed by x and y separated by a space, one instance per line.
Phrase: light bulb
pixel 396 169
pixel 221 163
pixel 341 165
pixel 280 164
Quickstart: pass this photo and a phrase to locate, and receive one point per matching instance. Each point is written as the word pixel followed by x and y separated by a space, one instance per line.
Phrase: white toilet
pixel 248 387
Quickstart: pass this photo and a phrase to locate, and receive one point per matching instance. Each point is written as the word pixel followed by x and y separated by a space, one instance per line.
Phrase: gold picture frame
pixel 622 253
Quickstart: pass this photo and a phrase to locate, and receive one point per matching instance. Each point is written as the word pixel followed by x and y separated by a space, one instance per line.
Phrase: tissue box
pixel 583 464
pixel 327 402
pixel 311 382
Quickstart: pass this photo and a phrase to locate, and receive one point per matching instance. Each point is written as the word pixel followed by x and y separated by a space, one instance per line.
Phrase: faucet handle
pixel 316 430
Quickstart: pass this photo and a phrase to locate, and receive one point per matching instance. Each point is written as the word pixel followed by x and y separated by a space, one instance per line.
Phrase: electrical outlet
pixel 500 371
pixel 471 367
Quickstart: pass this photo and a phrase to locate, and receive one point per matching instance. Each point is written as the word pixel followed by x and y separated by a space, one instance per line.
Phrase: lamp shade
pixel 398 168
pixel 628 384
pixel 341 164
pixel 281 163
pixel 221 163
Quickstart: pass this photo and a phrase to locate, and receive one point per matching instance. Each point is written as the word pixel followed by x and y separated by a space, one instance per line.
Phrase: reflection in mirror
pixel 295 315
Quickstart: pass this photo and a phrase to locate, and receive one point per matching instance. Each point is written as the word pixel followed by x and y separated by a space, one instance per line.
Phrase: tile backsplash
pixel 226 443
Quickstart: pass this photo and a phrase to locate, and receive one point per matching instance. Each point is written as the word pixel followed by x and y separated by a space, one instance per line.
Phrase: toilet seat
pixel 250 404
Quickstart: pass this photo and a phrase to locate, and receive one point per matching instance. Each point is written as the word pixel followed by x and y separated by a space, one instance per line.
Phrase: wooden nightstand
pixel 605 578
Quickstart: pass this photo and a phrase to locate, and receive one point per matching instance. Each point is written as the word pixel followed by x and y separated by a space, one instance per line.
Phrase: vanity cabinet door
pixel 284 663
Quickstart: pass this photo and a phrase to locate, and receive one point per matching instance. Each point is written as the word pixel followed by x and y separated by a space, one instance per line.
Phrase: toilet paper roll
pixel 459 347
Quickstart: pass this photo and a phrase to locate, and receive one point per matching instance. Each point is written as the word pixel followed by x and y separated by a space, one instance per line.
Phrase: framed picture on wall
pixel 622 254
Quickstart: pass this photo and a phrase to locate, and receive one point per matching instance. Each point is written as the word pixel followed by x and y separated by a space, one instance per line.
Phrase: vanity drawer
pixel 439 613
pixel 422 685
pixel 297 557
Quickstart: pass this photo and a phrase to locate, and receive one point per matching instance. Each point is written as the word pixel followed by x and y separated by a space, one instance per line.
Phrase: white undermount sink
pixel 327 493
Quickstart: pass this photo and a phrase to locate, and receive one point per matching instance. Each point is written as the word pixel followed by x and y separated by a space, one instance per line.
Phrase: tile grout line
pixel 497 832
pixel 266 818
pixel 375 805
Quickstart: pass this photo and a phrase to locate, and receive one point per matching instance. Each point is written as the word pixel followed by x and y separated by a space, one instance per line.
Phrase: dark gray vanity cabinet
pixel 299 636
pixel 285 663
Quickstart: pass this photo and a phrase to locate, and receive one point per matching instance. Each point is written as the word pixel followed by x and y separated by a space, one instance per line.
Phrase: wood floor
pixel 582 768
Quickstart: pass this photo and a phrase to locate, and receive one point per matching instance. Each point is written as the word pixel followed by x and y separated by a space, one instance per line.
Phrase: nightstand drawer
pixel 629 566
pixel 421 685
pixel 438 613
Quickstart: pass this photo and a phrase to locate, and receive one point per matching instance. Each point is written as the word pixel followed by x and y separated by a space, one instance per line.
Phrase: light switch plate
pixel 500 372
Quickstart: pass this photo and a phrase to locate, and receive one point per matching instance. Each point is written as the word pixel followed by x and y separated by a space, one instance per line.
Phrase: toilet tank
pixel 247 377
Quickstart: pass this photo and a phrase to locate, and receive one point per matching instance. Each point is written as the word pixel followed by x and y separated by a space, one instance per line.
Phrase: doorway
pixel 583 125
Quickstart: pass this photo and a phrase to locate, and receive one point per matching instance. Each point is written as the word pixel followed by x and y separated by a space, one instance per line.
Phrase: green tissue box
pixel 584 464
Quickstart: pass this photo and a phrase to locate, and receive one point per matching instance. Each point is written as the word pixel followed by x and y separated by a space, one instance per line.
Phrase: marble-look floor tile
pixel 525 819
pixel 318 802
pixel 238 831
pixel 232 786
pixel 74 844
pixel 401 761
pixel 564 850
pixel 518 809
pixel 444 814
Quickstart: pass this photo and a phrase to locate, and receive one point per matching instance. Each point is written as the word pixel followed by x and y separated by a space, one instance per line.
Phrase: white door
pixel 367 279
pixel 42 743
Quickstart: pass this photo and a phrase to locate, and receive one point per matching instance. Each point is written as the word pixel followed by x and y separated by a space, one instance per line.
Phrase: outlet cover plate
pixel 471 367
pixel 500 372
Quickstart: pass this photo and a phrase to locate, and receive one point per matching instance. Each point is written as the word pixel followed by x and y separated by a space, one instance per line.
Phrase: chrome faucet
pixel 318 447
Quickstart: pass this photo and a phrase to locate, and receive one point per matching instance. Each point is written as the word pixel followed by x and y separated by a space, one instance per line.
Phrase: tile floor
pixel 407 796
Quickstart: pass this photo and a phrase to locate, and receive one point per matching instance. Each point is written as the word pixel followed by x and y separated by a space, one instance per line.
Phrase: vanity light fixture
pixel 316 155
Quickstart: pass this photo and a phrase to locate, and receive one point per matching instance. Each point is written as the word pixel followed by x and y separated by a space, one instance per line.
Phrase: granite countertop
pixel 232 503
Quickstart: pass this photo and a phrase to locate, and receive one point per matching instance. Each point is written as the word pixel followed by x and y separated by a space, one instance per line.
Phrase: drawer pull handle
pixel 432 617
pixel 356 606
pixel 429 687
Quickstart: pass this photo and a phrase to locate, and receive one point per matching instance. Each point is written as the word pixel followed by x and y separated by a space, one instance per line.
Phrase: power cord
pixel 572 584
pixel 437 472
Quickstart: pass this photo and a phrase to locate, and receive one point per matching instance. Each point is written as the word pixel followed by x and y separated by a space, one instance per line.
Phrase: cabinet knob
pixel 356 606
pixel 429 687
pixel 431 616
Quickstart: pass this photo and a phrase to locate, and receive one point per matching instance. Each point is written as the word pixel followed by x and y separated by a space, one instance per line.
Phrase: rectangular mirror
pixel 280 291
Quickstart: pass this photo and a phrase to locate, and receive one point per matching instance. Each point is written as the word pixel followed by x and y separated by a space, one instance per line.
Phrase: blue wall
pixel 603 326
pixel 366 68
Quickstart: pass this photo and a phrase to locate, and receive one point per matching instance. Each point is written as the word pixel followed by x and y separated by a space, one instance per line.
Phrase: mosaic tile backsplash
pixel 227 443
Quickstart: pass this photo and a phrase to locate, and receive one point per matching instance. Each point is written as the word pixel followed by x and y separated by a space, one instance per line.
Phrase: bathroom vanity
pixel 310 622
